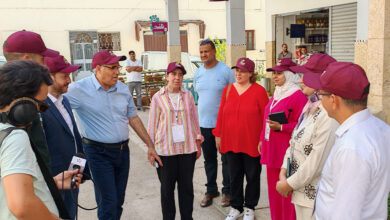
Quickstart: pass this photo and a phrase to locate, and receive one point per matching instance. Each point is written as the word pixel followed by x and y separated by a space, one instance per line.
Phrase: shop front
pixel 329 30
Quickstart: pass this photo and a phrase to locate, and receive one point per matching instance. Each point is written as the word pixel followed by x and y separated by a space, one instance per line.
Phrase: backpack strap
pixel 227 91
pixel 4 133
pixel 55 193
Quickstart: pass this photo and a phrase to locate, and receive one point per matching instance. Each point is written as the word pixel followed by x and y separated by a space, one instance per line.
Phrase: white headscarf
pixel 289 87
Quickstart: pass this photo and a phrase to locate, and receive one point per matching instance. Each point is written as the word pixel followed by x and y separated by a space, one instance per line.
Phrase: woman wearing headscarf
pixel 311 142
pixel 174 129
pixel 289 100
pixel 237 135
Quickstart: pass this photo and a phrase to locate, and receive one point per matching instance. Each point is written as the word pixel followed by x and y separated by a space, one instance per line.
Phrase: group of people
pixel 302 55
pixel 323 150
pixel 329 159
pixel 40 136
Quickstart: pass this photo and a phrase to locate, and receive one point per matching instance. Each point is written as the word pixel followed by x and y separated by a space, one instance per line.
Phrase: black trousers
pixel 241 164
pixel 211 164
pixel 180 169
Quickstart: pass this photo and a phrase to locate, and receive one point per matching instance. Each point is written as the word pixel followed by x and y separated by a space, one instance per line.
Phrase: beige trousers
pixel 304 213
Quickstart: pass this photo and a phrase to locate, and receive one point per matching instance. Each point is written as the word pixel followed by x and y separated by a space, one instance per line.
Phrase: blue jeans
pixel 110 171
pixel 210 155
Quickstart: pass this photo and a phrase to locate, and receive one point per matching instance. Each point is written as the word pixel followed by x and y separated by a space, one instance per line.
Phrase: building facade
pixel 349 30
pixel 80 28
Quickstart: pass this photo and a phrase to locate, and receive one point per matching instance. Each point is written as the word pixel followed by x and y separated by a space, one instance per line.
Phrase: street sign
pixel 160 26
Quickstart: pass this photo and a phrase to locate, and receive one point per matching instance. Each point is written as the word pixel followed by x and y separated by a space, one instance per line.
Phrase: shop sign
pixel 160 26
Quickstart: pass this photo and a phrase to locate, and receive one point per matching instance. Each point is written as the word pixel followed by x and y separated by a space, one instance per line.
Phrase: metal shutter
pixel 343 19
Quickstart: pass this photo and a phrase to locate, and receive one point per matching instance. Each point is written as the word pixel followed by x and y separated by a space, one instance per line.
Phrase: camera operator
pixel 24 193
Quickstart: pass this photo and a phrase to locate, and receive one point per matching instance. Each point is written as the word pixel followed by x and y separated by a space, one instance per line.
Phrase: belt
pixel 119 145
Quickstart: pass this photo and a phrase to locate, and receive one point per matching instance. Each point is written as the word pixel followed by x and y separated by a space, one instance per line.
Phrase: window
pixel 110 41
pixel 250 39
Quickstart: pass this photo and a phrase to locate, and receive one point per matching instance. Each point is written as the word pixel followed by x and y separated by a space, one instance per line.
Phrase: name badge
pixel 178 133
pixel 267 131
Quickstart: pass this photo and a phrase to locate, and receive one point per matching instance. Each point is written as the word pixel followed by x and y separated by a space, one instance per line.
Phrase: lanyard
pixel 273 104
pixel 175 108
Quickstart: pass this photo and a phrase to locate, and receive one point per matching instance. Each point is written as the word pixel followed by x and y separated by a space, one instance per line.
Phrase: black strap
pixel 4 133
pixel 55 193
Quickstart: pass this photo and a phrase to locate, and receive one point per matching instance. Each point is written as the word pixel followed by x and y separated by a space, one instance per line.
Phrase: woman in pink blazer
pixel 275 137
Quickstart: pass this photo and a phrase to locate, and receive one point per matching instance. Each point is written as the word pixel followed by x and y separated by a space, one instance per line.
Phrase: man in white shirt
pixel 133 77
pixel 355 181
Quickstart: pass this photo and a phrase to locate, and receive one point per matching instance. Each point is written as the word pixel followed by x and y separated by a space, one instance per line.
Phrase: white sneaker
pixel 233 214
pixel 249 214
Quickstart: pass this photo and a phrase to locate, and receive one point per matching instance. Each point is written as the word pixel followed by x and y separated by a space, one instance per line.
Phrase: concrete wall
pixel 54 19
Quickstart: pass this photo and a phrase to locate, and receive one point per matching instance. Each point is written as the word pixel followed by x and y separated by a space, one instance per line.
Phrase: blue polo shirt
pixel 209 84
pixel 102 114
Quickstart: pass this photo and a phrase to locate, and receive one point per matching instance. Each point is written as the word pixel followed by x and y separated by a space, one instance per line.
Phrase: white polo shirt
pixel 355 181
pixel 133 76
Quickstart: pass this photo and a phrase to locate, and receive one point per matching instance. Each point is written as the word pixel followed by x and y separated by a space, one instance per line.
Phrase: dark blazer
pixel 59 138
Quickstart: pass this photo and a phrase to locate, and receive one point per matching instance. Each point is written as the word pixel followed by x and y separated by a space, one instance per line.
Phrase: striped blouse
pixel 162 117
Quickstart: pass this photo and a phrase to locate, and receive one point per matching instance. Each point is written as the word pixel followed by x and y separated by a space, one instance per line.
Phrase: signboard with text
pixel 160 26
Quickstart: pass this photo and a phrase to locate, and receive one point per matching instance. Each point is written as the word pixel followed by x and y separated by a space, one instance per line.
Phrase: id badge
pixel 267 131
pixel 178 133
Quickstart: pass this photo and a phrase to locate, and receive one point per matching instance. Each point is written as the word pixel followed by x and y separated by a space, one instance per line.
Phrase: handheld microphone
pixel 78 162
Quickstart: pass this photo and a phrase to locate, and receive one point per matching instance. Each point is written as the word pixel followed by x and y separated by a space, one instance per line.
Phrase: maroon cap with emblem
pixel 245 64
pixel 175 65
pixel 27 42
pixel 345 79
pixel 105 57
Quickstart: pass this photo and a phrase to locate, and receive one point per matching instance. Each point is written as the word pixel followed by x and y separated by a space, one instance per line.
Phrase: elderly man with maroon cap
pixel 355 180
pixel 27 45
pixel 61 132
pixel 105 108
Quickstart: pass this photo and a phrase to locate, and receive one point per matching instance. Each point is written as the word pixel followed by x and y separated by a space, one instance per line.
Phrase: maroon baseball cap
pixel 175 65
pixel 312 70
pixel 27 42
pixel 60 65
pixel 105 57
pixel 245 64
pixel 317 63
pixel 284 65
pixel 345 79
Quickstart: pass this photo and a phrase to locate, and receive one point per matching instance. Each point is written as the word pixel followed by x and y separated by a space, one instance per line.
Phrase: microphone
pixel 78 162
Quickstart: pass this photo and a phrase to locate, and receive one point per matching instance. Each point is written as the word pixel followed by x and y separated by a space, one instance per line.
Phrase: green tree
pixel 220 46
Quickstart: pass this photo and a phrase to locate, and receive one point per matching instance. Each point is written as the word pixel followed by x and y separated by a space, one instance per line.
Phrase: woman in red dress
pixel 237 133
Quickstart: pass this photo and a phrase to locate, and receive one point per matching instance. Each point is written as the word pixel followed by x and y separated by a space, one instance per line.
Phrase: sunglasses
pixel 41 105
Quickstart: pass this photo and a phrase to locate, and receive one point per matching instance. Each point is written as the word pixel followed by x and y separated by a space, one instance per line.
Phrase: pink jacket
pixel 273 150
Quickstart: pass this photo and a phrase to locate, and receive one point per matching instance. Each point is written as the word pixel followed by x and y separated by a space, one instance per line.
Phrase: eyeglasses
pixel 323 93
pixel 113 67
pixel 42 105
